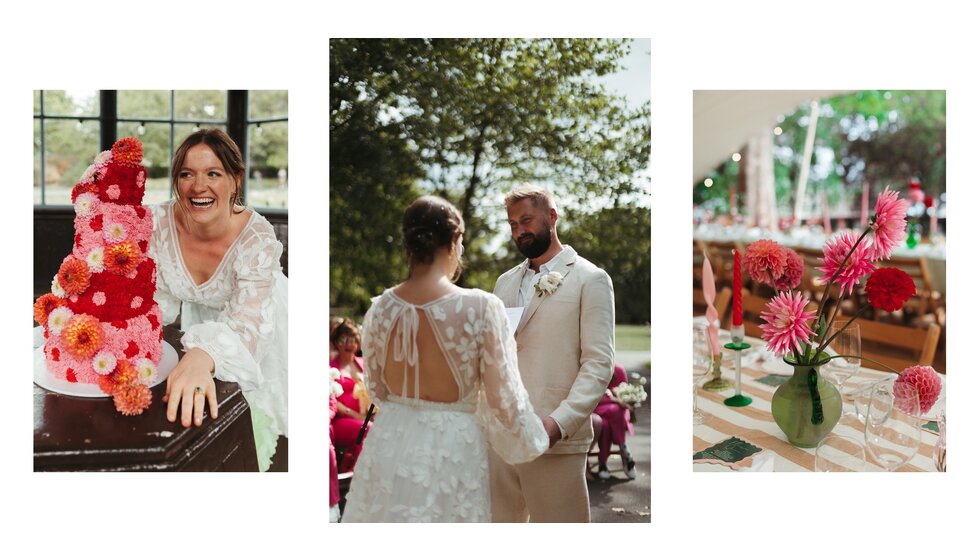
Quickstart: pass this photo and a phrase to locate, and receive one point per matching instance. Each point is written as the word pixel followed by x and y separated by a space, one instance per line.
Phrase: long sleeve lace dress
pixel 427 460
pixel 238 316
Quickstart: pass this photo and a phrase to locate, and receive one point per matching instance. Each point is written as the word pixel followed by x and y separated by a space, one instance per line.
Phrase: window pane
pixel 70 147
pixel 205 105
pixel 74 103
pixel 182 131
pixel 143 103
pixel 267 104
pixel 268 165
pixel 37 101
pixel 156 156
pixel 37 160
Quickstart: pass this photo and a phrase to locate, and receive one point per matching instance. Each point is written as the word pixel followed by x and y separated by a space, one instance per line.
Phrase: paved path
pixel 619 499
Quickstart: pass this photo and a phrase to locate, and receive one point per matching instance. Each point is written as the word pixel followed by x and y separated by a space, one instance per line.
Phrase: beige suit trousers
pixel 549 489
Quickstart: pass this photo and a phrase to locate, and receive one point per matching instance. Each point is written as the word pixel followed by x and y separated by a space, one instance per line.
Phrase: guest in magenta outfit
pixel 352 405
pixel 614 418
pixel 334 482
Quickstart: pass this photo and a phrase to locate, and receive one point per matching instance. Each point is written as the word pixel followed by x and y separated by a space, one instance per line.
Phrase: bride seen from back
pixel 442 364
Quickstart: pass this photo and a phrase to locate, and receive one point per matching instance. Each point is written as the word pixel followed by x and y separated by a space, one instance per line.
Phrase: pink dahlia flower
pixel 764 257
pixel 856 266
pixel 786 322
pixel 889 224
pixel 793 272
pixel 922 379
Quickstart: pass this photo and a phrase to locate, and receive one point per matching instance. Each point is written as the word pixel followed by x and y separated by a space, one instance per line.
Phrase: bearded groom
pixel 565 341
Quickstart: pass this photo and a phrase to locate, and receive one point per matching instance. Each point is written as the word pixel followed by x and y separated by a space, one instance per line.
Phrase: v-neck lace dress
pixel 426 460
pixel 238 316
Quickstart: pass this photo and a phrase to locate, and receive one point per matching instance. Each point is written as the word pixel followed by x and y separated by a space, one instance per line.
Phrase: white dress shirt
pixel 530 277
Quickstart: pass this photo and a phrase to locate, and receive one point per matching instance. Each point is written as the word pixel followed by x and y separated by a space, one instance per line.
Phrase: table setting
pixel 802 398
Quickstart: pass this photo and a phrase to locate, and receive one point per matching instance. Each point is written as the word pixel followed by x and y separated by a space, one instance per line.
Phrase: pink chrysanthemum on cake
pixel 100 318
pixel 888 224
pixel 786 321
pixel 792 273
pixel 764 260
pixel 851 270
pixel 922 380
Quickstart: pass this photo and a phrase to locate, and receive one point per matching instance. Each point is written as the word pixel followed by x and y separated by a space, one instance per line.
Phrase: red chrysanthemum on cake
pixel 101 323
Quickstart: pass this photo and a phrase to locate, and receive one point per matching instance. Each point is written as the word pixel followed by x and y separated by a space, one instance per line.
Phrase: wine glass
pixel 893 428
pixel 847 343
pixel 701 362
pixel 939 452
pixel 836 453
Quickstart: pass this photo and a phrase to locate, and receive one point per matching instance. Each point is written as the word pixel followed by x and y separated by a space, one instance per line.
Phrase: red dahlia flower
pixel 889 288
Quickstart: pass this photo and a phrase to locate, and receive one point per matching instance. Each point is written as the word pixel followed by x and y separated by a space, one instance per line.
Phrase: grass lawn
pixel 632 337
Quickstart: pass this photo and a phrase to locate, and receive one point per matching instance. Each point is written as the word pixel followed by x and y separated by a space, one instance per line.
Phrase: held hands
pixel 554 433
pixel 192 384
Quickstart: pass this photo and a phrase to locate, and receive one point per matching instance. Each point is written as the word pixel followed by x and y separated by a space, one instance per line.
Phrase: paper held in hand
pixel 514 318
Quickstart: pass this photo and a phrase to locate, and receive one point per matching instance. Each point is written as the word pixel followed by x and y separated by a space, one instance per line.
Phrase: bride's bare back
pixel 436 382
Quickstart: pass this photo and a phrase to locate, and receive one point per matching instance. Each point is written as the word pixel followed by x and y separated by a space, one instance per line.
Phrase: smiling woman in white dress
pixel 218 268
pixel 441 363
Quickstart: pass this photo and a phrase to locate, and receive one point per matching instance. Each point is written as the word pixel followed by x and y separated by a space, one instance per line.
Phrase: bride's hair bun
pixel 430 223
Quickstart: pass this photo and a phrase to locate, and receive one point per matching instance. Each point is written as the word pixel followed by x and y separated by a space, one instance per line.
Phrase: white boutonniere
pixel 547 284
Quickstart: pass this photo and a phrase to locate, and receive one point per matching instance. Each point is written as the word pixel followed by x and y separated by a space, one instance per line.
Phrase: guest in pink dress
pixel 334 482
pixel 352 405
pixel 615 422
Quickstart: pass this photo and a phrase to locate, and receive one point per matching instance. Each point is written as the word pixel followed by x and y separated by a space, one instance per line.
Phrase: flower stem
pixel 842 329
pixel 891 369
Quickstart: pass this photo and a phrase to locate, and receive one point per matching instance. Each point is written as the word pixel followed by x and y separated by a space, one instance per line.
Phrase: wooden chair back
pixel 722 299
pixel 722 259
pixel 895 345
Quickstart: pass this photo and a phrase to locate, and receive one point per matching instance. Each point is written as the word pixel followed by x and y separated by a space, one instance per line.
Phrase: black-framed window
pixel 71 127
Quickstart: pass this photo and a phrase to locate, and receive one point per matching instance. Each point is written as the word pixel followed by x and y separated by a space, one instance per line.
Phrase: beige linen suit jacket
pixel 565 345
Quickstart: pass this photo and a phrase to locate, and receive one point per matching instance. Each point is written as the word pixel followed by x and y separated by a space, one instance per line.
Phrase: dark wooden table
pixel 87 434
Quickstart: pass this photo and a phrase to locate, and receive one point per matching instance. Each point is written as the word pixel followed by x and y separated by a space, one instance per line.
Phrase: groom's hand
pixel 554 432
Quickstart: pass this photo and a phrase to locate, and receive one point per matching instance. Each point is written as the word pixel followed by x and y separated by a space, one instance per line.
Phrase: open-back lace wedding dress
pixel 425 460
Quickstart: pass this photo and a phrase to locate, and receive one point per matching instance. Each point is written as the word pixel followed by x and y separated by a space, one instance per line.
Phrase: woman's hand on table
pixel 192 384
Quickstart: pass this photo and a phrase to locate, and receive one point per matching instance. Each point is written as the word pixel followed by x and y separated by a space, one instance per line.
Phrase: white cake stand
pixel 44 379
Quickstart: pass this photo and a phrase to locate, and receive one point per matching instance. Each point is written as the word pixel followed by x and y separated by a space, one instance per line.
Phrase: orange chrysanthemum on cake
pixel 82 337
pixel 121 258
pixel 132 399
pixel 44 306
pixel 127 152
pixel 74 276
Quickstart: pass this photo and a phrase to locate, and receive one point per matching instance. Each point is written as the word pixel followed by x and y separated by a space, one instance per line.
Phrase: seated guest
pixel 352 405
pixel 611 420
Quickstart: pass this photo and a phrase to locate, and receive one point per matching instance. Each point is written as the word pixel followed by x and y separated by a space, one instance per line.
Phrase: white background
pixel 276 45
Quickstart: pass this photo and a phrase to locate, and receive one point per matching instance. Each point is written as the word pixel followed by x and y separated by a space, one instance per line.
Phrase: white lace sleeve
pixel 372 344
pixel 242 333
pixel 514 431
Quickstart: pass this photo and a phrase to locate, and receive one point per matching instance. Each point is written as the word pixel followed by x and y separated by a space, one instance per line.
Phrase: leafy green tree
pixel 882 137
pixel 479 116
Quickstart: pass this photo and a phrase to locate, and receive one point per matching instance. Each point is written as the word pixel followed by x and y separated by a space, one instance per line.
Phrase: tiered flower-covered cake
pixel 101 324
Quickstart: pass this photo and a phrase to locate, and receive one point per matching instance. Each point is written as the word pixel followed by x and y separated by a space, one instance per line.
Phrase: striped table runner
pixel 755 425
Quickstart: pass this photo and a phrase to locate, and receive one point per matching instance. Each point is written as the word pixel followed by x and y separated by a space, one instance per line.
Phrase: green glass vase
pixel 807 407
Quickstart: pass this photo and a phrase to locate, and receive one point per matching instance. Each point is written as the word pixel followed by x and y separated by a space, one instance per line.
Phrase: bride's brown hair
pixel 430 223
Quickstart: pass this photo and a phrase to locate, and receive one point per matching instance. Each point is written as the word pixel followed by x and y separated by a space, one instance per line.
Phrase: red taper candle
pixel 737 281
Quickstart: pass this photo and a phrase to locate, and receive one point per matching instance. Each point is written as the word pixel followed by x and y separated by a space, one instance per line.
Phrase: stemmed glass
pixel 701 362
pixel 939 452
pixel 893 428
pixel 837 453
pixel 847 343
